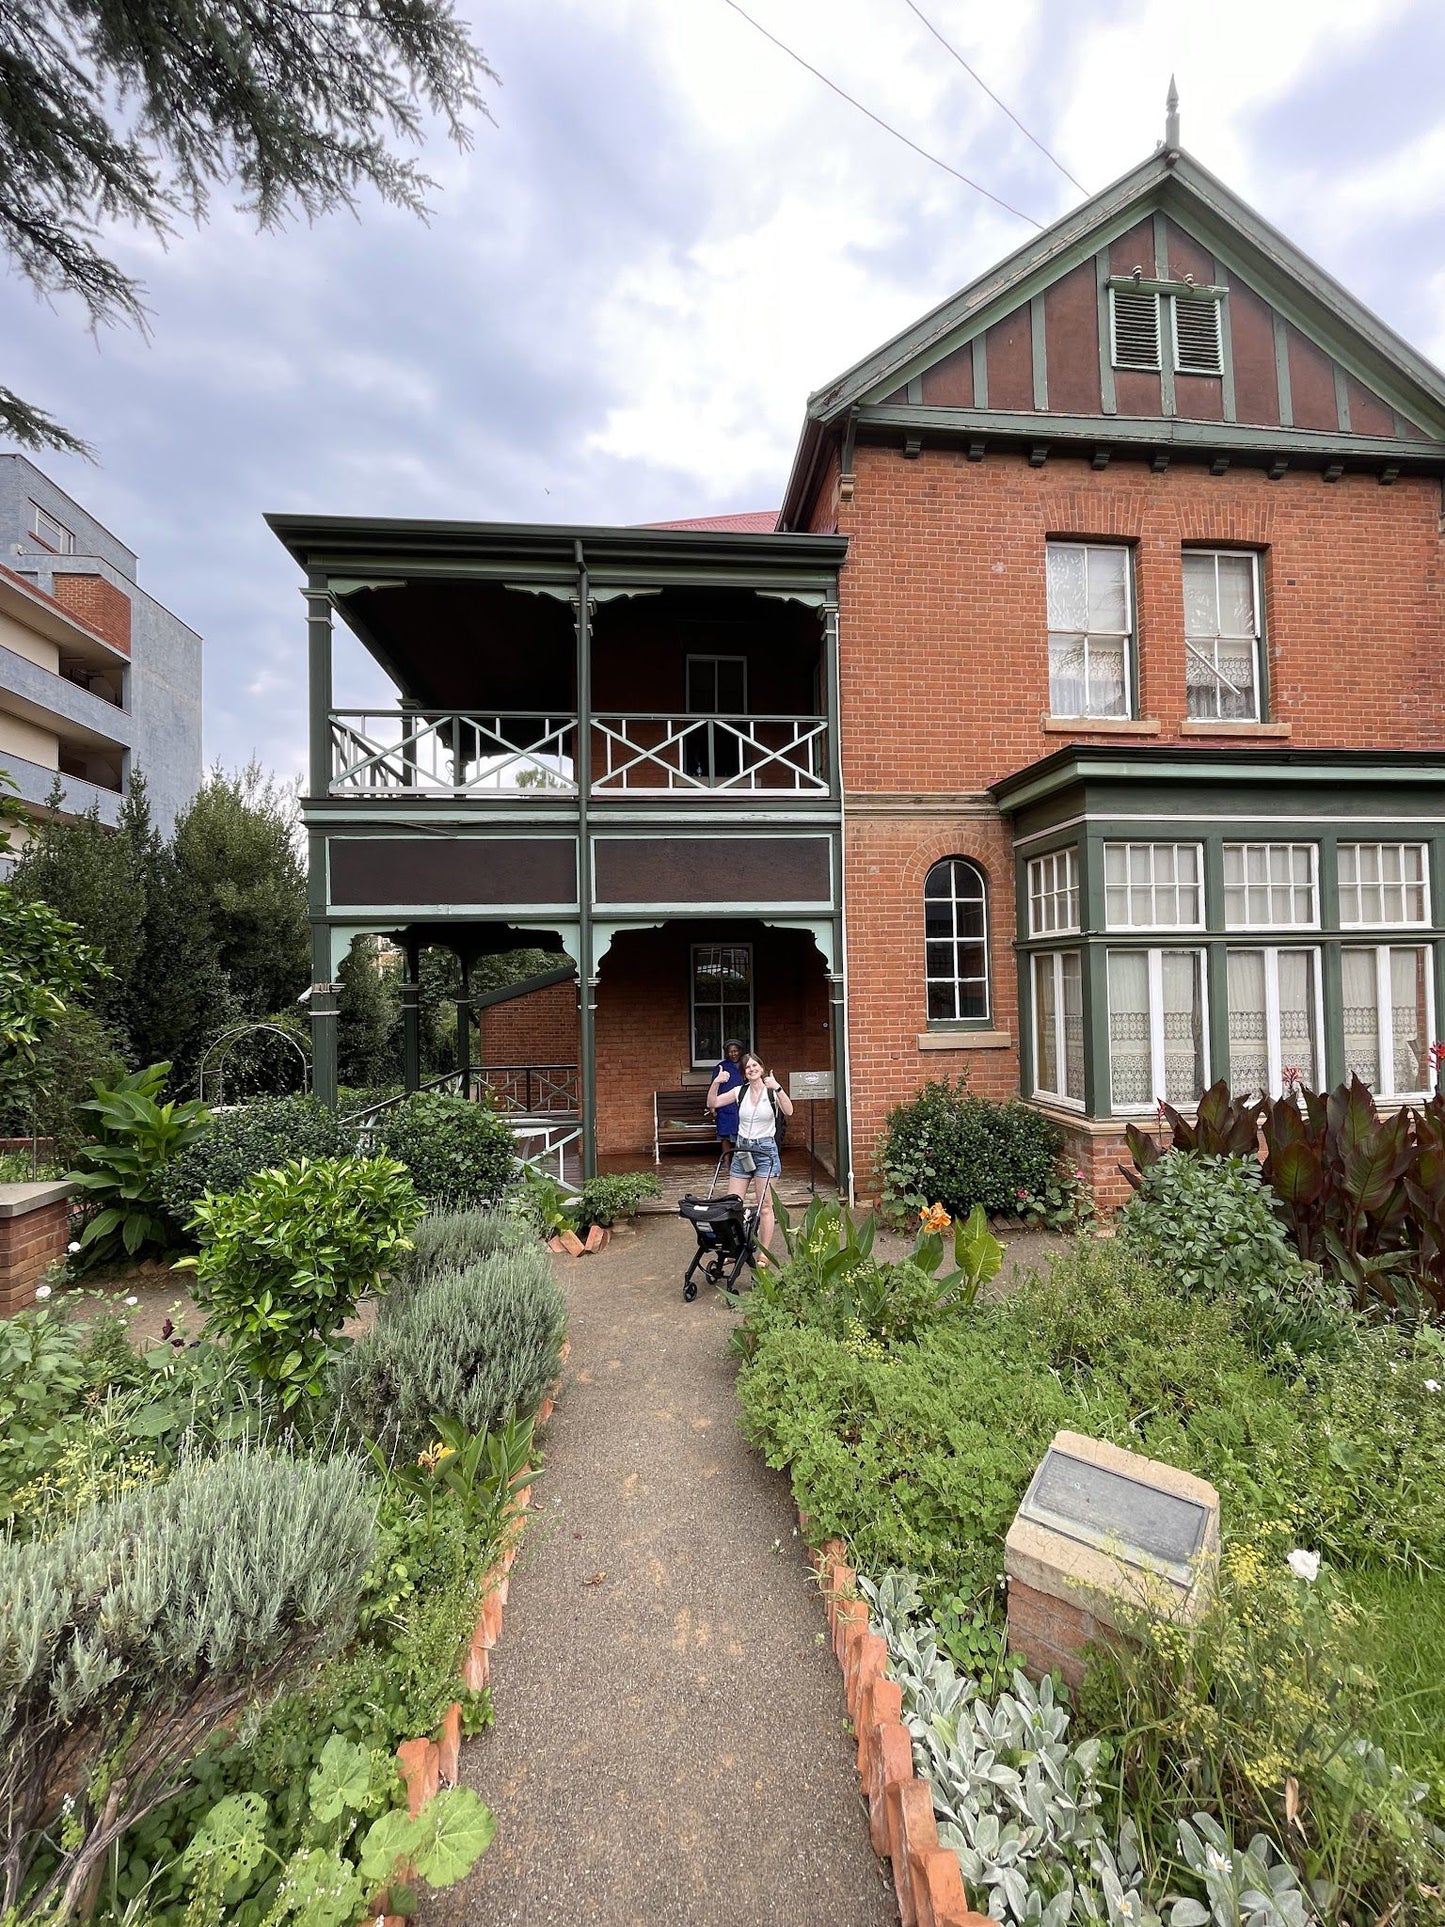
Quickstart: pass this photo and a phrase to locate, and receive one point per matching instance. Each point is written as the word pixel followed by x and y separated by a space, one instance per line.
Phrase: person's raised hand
pixel 771 1083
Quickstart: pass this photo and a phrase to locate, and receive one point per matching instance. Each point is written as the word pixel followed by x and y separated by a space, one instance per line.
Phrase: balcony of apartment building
pixel 64 708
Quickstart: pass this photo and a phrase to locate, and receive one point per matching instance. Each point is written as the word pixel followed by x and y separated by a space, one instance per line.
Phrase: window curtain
pixel 1409 1019
pixel 1362 1017
pixel 1297 1018
pixel 1248 1043
pixel 1183 1027
pixel 1131 1083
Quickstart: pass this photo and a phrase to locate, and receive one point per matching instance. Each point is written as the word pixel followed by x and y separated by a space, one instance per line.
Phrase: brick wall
pixel 540 1028
pixel 944 684
pixel 93 600
pixel 944 654
pixel 30 1243
pixel 643 1024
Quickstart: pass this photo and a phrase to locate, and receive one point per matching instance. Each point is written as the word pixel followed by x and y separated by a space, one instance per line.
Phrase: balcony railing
pixel 477 753
pixel 710 753
pixel 459 752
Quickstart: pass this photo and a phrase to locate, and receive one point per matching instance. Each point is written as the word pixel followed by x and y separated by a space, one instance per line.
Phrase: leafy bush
pixel 1207 1222
pixel 254 1137
pixel 137 1629
pixel 285 1259
pixel 1026 1809
pixel 40 1096
pixel 918 1453
pixel 1260 1711
pixel 458 1153
pixel 604 1200
pixel 1363 1196
pixel 136 1135
pixel 474 1346
pixel 951 1148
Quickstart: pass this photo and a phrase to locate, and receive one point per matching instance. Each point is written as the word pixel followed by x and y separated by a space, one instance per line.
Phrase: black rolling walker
pixel 725 1229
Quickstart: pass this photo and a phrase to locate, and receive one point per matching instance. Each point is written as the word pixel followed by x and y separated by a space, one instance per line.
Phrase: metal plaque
pixel 810 1085
pixel 1130 1518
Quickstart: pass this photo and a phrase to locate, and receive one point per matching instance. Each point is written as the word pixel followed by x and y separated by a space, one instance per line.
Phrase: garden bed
pixel 1306 1708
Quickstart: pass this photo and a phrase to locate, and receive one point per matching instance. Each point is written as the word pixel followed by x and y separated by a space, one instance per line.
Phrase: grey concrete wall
pixel 21 484
pixel 163 697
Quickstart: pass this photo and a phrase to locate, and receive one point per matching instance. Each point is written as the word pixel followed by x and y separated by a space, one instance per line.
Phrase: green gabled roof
pixel 1173 183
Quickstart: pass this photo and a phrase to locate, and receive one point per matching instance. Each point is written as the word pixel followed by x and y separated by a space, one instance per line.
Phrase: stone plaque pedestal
pixel 1101 1535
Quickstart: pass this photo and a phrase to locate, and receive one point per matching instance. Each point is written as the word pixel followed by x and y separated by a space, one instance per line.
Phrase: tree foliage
pixel 237 860
pixel 117 114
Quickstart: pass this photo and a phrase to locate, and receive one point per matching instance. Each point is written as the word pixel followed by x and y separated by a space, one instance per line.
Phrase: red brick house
pixel 1077 723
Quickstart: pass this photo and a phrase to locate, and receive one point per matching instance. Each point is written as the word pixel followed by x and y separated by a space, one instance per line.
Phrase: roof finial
pixel 1171 117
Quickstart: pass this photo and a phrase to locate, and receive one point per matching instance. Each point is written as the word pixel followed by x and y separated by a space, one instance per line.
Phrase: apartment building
pixel 1078 723
pixel 96 677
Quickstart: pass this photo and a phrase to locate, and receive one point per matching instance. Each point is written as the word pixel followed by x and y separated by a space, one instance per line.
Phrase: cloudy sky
pixel 669 234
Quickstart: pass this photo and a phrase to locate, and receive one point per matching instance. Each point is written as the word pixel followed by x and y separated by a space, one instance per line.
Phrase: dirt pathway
pixel 671 1743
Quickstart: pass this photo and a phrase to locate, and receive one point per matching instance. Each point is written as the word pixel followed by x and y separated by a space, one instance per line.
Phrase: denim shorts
pixel 765 1154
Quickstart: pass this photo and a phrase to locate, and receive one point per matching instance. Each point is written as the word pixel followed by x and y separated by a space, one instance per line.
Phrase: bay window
pixel 1091 629
pixel 1059 1027
pixel 1054 893
pixel 1157 1027
pixel 1270 886
pixel 1274 1020
pixel 1153 886
pixel 1382 884
pixel 1388 1018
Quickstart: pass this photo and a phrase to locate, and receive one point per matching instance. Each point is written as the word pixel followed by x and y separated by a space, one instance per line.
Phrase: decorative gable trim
pixel 1246 250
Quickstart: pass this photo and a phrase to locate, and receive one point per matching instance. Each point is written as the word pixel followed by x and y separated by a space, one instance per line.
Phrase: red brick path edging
pixel 901 1824
pixel 427 1765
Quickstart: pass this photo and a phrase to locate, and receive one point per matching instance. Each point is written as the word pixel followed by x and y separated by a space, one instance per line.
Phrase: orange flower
pixel 933 1217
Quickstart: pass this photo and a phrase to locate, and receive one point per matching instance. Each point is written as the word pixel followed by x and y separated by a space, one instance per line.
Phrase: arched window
pixel 955 929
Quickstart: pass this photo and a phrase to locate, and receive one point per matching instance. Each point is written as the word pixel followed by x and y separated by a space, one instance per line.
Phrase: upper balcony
pixel 471 753
pixel 647 667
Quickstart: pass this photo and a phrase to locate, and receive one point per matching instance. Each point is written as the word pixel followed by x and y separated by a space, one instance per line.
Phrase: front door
pixel 716 686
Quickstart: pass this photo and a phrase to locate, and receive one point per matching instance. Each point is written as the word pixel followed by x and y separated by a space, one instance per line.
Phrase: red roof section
pixel 748 522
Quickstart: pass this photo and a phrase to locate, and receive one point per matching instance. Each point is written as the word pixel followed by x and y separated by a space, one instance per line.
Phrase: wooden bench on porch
pixel 681 1118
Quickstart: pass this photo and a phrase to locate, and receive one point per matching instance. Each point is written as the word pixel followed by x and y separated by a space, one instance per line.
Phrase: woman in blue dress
pixel 727 1077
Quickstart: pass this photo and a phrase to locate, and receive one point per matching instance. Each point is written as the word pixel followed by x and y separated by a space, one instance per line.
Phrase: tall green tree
pixel 238 862
pixel 179 998
pixel 113 113
pixel 368 1045
pixel 94 878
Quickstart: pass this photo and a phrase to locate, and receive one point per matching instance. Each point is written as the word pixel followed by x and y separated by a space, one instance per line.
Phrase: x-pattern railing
pixel 648 752
pixel 461 752
pixel 530 1089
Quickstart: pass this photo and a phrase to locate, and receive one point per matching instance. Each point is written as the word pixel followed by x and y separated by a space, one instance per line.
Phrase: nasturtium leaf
pixel 460 1826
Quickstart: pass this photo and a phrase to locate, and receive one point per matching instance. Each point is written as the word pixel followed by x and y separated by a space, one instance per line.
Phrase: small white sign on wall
pixel 809 1085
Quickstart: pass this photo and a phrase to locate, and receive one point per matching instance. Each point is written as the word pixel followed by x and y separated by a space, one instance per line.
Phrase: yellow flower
pixel 933 1217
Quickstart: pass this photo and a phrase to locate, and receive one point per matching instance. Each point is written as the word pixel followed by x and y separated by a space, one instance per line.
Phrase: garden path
pixel 671 1744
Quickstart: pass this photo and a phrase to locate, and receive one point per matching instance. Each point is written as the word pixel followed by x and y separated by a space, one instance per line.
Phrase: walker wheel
pixel 689 1290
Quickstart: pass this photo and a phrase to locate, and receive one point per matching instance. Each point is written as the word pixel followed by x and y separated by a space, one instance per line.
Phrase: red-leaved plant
pixel 1363 1196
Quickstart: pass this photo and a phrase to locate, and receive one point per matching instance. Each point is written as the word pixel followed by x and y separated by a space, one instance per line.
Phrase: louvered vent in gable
pixel 1196 334
pixel 1134 324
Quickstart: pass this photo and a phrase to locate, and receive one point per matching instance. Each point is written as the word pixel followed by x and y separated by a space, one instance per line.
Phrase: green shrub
pixel 604 1200
pixel 253 1137
pixel 1208 1224
pixel 475 1346
pixel 40 1096
pixel 136 1136
pixel 134 1631
pixel 919 1456
pixel 1260 1712
pixel 285 1259
pixel 950 1148
pixel 452 1241
pixel 458 1153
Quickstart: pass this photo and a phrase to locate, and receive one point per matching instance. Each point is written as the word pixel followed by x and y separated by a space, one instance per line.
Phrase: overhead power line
pixel 878 120
pixel 973 75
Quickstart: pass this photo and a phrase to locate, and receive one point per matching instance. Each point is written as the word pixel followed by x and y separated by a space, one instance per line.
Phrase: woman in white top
pixel 756 1159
